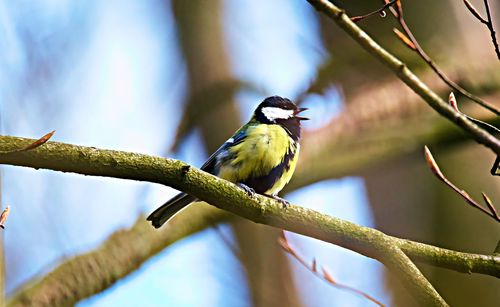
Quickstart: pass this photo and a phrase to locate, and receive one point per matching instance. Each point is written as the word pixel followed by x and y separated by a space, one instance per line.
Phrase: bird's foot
pixel 250 192
pixel 285 203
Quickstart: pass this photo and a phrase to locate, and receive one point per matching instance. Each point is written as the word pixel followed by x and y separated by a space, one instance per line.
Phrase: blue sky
pixel 120 89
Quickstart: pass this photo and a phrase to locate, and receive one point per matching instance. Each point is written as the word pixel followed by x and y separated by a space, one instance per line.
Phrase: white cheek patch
pixel 276 113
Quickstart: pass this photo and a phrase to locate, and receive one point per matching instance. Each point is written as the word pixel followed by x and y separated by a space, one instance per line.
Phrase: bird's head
pixel 275 109
pixel 281 111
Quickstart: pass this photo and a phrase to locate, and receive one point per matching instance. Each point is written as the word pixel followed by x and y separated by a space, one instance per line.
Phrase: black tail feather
pixel 166 211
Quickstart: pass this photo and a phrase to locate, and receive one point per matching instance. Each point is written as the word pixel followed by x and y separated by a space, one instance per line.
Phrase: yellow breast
pixel 262 150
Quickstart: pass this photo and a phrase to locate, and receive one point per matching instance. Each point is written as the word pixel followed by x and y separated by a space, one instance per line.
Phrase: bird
pixel 260 157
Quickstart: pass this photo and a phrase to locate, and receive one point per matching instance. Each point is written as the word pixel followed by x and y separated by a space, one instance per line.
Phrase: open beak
pixel 298 111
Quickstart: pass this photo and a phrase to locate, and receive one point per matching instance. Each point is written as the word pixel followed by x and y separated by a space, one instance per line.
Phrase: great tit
pixel 260 157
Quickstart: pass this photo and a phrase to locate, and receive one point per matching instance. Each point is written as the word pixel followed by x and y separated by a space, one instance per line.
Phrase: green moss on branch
pixel 225 195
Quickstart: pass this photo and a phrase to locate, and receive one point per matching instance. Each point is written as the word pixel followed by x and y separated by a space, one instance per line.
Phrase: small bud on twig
pixel 408 43
pixel 3 217
pixel 33 145
pixel 432 163
pixel 327 276
pixel 453 102
pixel 488 202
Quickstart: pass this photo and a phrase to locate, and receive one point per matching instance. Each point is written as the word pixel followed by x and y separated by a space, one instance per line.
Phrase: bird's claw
pixel 285 203
pixel 250 192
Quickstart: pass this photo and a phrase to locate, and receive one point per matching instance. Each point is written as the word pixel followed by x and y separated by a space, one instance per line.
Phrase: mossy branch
pixel 405 74
pixel 369 242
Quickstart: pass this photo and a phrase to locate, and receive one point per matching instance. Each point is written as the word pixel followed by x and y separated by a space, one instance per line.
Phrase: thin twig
pixel 488 22
pixel 437 171
pixel 453 103
pixel 492 30
pixel 401 70
pixel 398 13
pixel 492 129
pixel 380 11
pixel 324 274
pixel 474 12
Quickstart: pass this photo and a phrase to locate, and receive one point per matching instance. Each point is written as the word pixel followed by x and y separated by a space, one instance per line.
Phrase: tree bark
pixel 211 100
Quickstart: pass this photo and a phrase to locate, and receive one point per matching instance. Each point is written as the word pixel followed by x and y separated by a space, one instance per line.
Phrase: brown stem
pixel 492 30
pixel 436 170
pixel 325 275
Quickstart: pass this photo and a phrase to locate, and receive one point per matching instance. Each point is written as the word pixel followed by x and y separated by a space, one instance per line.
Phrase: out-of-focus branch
pixel 405 74
pixel 121 254
pixel 212 86
pixel 347 147
pixel 212 89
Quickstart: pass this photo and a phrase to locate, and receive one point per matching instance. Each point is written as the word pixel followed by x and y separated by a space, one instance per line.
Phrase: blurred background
pixel 176 78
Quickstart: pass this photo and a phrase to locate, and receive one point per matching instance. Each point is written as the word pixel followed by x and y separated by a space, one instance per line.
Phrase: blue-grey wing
pixel 210 165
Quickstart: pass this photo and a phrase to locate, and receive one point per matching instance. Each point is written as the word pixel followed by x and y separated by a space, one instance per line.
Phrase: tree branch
pixel 405 74
pixel 122 253
pixel 488 22
pixel 339 145
pixel 366 241
pixel 413 43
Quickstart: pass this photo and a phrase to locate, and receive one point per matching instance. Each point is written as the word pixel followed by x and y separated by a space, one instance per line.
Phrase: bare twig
pixel 488 22
pixel 435 169
pixel 402 71
pixel 492 30
pixel 398 13
pixel 453 103
pixel 492 129
pixel 33 145
pixel 474 12
pixel 380 11
pixel 324 274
